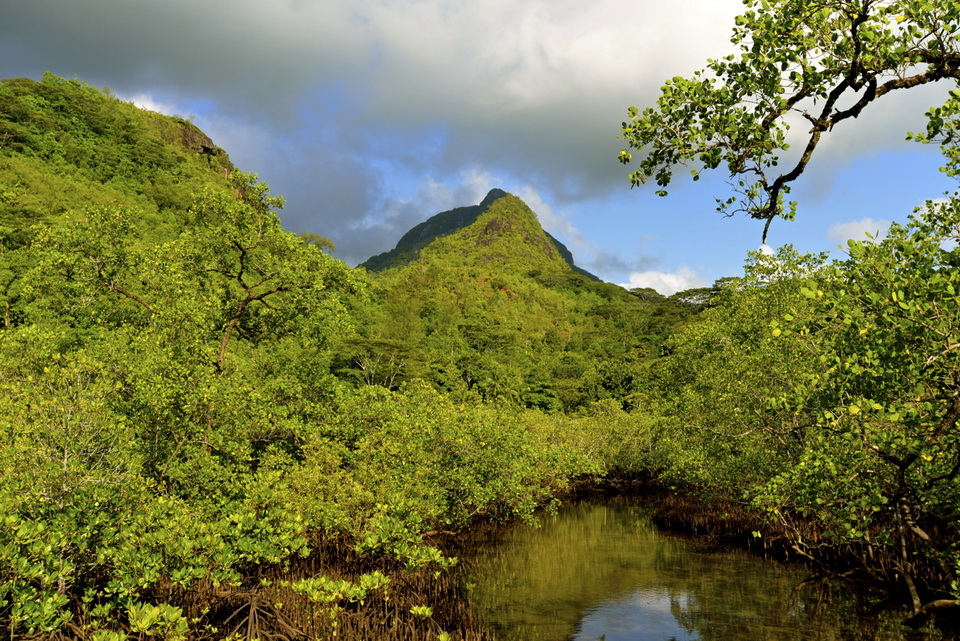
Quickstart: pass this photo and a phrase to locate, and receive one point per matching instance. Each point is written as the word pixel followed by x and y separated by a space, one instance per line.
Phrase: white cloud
pixel 145 101
pixel 556 223
pixel 858 230
pixel 473 187
pixel 432 197
pixel 667 283
pixel 526 54
pixel 370 116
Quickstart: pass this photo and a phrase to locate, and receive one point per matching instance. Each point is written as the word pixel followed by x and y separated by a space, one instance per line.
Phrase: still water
pixel 602 571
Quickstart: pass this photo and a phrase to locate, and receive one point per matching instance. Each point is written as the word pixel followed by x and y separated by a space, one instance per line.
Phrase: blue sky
pixel 369 116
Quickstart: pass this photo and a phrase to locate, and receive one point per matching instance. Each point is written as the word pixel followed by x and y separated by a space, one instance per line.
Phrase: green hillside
pixel 506 236
pixel 448 222
pixel 197 406
pixel 64 145
pixel 210 428
pixel 492 311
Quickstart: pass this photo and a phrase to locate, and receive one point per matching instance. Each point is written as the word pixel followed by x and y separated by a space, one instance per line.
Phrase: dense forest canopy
pixel 447 222
pixel 210 427
pixel 192 395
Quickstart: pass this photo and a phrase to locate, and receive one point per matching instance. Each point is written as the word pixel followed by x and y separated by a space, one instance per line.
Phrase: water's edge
pixel 601 568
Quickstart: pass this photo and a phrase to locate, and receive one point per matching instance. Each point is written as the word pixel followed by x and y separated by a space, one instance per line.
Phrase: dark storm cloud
pixel 340 103
pixel 248 57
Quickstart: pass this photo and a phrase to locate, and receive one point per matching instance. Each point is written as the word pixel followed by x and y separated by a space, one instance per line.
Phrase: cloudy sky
pixel 369 116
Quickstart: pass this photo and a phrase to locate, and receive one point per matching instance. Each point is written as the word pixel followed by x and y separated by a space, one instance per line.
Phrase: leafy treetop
pixel 822 60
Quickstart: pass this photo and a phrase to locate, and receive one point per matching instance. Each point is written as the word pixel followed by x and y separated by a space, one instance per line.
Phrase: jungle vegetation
pixel 210 427
pixel 847 432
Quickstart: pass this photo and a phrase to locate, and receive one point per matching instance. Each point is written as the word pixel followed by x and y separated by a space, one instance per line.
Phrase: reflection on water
pixel 603 571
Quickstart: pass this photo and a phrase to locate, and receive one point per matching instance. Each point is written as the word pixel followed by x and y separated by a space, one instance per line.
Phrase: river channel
pixel 603 571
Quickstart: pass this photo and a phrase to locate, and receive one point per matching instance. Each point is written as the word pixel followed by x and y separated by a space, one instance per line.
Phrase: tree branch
pixel 232 323
pixel 133 297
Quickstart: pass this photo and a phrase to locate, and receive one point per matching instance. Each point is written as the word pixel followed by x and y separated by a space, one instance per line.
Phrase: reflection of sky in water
pixel 603 571
pixel 645 615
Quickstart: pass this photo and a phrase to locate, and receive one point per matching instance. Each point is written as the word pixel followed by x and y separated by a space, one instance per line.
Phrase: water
pixel 602 571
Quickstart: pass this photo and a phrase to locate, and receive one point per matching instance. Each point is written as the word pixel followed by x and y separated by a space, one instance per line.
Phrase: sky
pixel 369 116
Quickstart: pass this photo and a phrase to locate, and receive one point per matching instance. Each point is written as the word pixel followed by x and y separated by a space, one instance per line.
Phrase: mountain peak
pixel 492 196
pixel 461 218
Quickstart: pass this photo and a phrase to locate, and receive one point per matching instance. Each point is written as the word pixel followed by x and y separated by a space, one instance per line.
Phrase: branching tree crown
pixel 822 60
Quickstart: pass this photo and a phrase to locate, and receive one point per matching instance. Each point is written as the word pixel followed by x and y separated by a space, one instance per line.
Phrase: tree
pixel 881 455
pixel 875 463
pixel 153 397
pixel 711 390
pixel 821 60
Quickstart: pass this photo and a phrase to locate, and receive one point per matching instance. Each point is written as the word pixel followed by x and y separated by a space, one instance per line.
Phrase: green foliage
pixel 92 142
pixel 493 311
pixel 826 395
pixel 190 394
pixel 443 224
pixel 828 398
pixel 712 387
pixel 824 60
pixel 881 451
pixel 164 621
pixel 388 466
pixel 147 409
pixel 325 590
pixel 601 439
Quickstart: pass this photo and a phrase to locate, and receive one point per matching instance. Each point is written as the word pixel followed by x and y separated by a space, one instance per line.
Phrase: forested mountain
pixel 66 145
pixel 210 428
pixel 448 222
pixel 192 398
pixel 493 309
